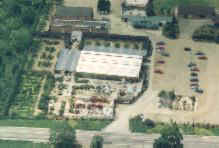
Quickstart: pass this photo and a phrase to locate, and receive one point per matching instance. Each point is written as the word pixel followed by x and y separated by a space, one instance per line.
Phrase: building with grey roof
pixel 67 60
pixel 74 13
pixel 68 19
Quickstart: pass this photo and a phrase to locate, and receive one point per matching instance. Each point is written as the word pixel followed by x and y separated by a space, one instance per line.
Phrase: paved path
pixel 25 134
pixel 116 140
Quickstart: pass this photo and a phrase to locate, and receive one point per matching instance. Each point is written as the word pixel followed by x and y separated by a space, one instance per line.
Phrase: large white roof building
pixel 112 64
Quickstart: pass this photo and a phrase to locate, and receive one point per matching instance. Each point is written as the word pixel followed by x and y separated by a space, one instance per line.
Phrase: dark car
pixel 165 54
pixel 194 80
pixel 193 74
pixel 192 64
pixel 198 90
pixel 161 43
pixel 187 49
pixel 194 85
pixel 200 53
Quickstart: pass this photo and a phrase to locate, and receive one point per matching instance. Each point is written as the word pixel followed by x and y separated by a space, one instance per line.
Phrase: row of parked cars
pixel 194 72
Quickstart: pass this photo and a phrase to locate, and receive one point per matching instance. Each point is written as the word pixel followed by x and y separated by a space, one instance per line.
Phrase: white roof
pixel 109 64
pixel 141 3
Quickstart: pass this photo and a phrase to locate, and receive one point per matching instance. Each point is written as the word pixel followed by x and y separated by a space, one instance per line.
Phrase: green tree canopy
pixel 171 137
pixel 97 142
pixel 64 137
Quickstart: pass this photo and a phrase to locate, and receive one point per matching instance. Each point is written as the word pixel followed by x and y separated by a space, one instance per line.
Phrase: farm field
pixel 22 144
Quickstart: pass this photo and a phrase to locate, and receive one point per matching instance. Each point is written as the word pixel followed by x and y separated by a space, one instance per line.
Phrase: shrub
pixel 97 43
pixel 136 124
pixel 62 109
pixel 107 44
pixel 44 102
pixel 136 46
pixel 88 43
pixel 126 45
pixel 117 45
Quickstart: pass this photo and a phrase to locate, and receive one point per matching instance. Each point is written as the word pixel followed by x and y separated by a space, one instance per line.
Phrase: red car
pixel 195 69
pixel 202 58
pixel 158 71
pixel 160 62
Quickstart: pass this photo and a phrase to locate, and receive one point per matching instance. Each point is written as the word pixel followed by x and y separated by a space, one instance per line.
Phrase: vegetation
pixel 171 30
pixel 150 8
pixel 63 137
pixel 171 137
pixel 167 98
pixel 166 7
pixel 104 6
pixel 97 142
pixel 137 124
pixel 208 33
pixel 23 104
pixel 45 98
pixel 22 144
pixel 19 19
pixel 89 124
pixel 62 109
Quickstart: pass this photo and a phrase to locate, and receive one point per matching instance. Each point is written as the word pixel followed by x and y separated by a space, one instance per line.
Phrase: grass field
pixel 77 124
pixel 22 144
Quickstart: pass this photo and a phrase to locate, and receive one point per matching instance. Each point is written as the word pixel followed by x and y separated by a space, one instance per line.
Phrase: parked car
pixel 192 64
pixel 158 71
pixel 165 54
pixel 194 80
pixel 203 58
pixel 161 43
pixel 200 53
pixel 193 74
pixel 195 69
pixel 160 62
pixel 187 49
pixel 194 84
pixel 160 48
pixel 199 90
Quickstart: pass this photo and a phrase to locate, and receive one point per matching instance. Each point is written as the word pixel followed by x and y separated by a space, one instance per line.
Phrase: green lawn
pixel 30 123
pixel 22 144
pixel 84 124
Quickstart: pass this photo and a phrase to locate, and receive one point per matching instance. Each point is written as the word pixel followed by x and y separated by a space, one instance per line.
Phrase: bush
pixel 62 109
pixel 44 102
pixel 117 45
pixel 126 45
pixel 208 33
pixel 97 43
pixel 136 46
pixel 107 44
pixel 136 124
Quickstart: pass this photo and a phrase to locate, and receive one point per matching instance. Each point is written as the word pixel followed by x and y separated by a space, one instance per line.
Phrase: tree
pixel 149 8
pixel 97 142
pixel 171 30
pixel 64 137
pixel 170 138
pixel 104 6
